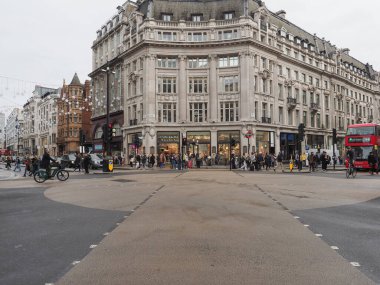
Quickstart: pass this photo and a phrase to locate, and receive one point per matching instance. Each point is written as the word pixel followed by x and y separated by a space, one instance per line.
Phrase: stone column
pixel 150 89
pixel 244 86
pixel 213 94
pixel 182 83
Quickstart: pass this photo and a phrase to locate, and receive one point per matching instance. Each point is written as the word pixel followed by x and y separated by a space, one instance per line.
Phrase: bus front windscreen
pixel 362 131
pixel 361 152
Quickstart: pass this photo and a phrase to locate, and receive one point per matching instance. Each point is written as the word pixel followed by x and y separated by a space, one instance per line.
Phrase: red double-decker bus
pixel 363 138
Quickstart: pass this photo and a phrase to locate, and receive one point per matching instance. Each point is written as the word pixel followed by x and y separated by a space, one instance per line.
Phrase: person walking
pixel 27 163
pixel 311 162
pixel 17 164
pixel 86 163
pixel 280 158
pixel 324 161
pixel 8 165
pixel 77 162
pixel 372 163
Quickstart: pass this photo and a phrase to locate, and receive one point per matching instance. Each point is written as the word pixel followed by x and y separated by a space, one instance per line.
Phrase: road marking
pixel 75 262
pixel 318 235
pixel 306 226
pixel 106 234
pixel 93 246
pixel 335 247
pixel 49 283
pixel 296 217
pixel 118 224
pixel 356 264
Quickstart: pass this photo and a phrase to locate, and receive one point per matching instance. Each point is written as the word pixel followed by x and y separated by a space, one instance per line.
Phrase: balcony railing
pixel 266 120
pixel 314 107
pixel 292 102
pixel 133 122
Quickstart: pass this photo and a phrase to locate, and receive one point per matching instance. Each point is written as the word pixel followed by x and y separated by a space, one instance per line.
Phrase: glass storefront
pixel 132 151
pixel 265 142
pixel 168 142
pixel 224 145
pixel 288 145
pixel 199 142
pixel 316 141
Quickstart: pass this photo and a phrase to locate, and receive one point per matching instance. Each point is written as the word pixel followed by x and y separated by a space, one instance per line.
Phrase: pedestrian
pixel 8 165
pixel 324 161
pixel 279 161
pixel 17 164
pixel 311 159
pixel 144 160
pixel 77 162
pixel 86 163
pixel 162 160
pixel 152 160
pixel 27 163
pixel 372 163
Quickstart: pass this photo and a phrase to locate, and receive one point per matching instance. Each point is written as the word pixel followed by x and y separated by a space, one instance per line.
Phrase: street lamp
pixel 107 141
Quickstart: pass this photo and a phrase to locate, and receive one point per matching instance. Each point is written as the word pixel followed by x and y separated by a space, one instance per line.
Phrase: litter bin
pixel 107 165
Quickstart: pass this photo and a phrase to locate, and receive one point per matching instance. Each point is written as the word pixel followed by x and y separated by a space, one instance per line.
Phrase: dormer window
pixel 167 17
pixel 228 15
pixel 196 17
pixel 298 41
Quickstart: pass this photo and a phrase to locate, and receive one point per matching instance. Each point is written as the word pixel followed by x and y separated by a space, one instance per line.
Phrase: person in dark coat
pixel 45 162
pixel 77 162
pixel 86 163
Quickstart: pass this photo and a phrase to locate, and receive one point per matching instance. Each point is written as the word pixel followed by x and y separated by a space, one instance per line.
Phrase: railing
pixel 314 106
pixel 133 122
pixel 292 102
pixel 266 120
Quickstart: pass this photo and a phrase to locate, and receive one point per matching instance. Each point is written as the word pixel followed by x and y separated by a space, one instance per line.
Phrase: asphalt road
pixel 40 238
pixel 354 229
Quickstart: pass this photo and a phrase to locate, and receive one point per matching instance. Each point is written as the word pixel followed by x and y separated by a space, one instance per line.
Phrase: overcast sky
pixel 46 41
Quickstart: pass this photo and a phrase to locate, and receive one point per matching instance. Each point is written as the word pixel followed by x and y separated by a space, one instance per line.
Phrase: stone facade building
pixel 208 70
pixel 2 130
pixel 13 131
pixel 74 116
pixel 40 126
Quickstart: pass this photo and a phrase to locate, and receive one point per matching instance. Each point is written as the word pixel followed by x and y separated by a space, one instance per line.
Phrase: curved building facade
pixel 211 70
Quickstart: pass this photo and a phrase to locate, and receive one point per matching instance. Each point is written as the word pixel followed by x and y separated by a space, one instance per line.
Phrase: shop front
pixel 133 149
pixel 316 141
pixel 168 142
pixel 224 145
pixel 265 142
pixel 199 143
pixel 288 145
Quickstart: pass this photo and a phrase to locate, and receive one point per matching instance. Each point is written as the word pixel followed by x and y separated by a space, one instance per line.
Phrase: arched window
pixel 98 133
pixel 117 127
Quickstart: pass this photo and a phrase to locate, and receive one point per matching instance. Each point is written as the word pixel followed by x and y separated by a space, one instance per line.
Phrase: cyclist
pixel 45 162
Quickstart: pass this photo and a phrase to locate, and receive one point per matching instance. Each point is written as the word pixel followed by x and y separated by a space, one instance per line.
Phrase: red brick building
pixel 74 116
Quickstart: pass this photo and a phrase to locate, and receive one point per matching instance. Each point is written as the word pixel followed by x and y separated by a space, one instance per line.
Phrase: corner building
pixel 208 70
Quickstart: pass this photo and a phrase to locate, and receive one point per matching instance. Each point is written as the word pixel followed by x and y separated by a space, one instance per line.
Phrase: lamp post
pixel 107 141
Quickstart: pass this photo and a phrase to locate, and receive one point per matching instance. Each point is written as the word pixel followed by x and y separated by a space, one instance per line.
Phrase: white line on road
pixel 75 262
pixel 356 264
pixel 93 246
pixel 335 247
pixel 319 235
pixel 296 217
pixel 106 234
pixel 307 226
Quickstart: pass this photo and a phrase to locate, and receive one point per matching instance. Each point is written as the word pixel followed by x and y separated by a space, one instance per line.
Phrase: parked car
pixel 68 160
pixel 96 161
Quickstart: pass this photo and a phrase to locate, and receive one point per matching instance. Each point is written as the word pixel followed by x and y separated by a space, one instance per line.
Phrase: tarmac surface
pixel 209 227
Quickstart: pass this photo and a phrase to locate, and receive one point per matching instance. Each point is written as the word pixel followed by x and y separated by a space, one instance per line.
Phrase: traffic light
pixel 233 142
pixel 184 141
pixel 301 132
pixel 109 132
pixel 334 136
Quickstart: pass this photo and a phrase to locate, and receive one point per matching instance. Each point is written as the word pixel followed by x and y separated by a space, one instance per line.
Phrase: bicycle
pixel 41 175
pixel 351 170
